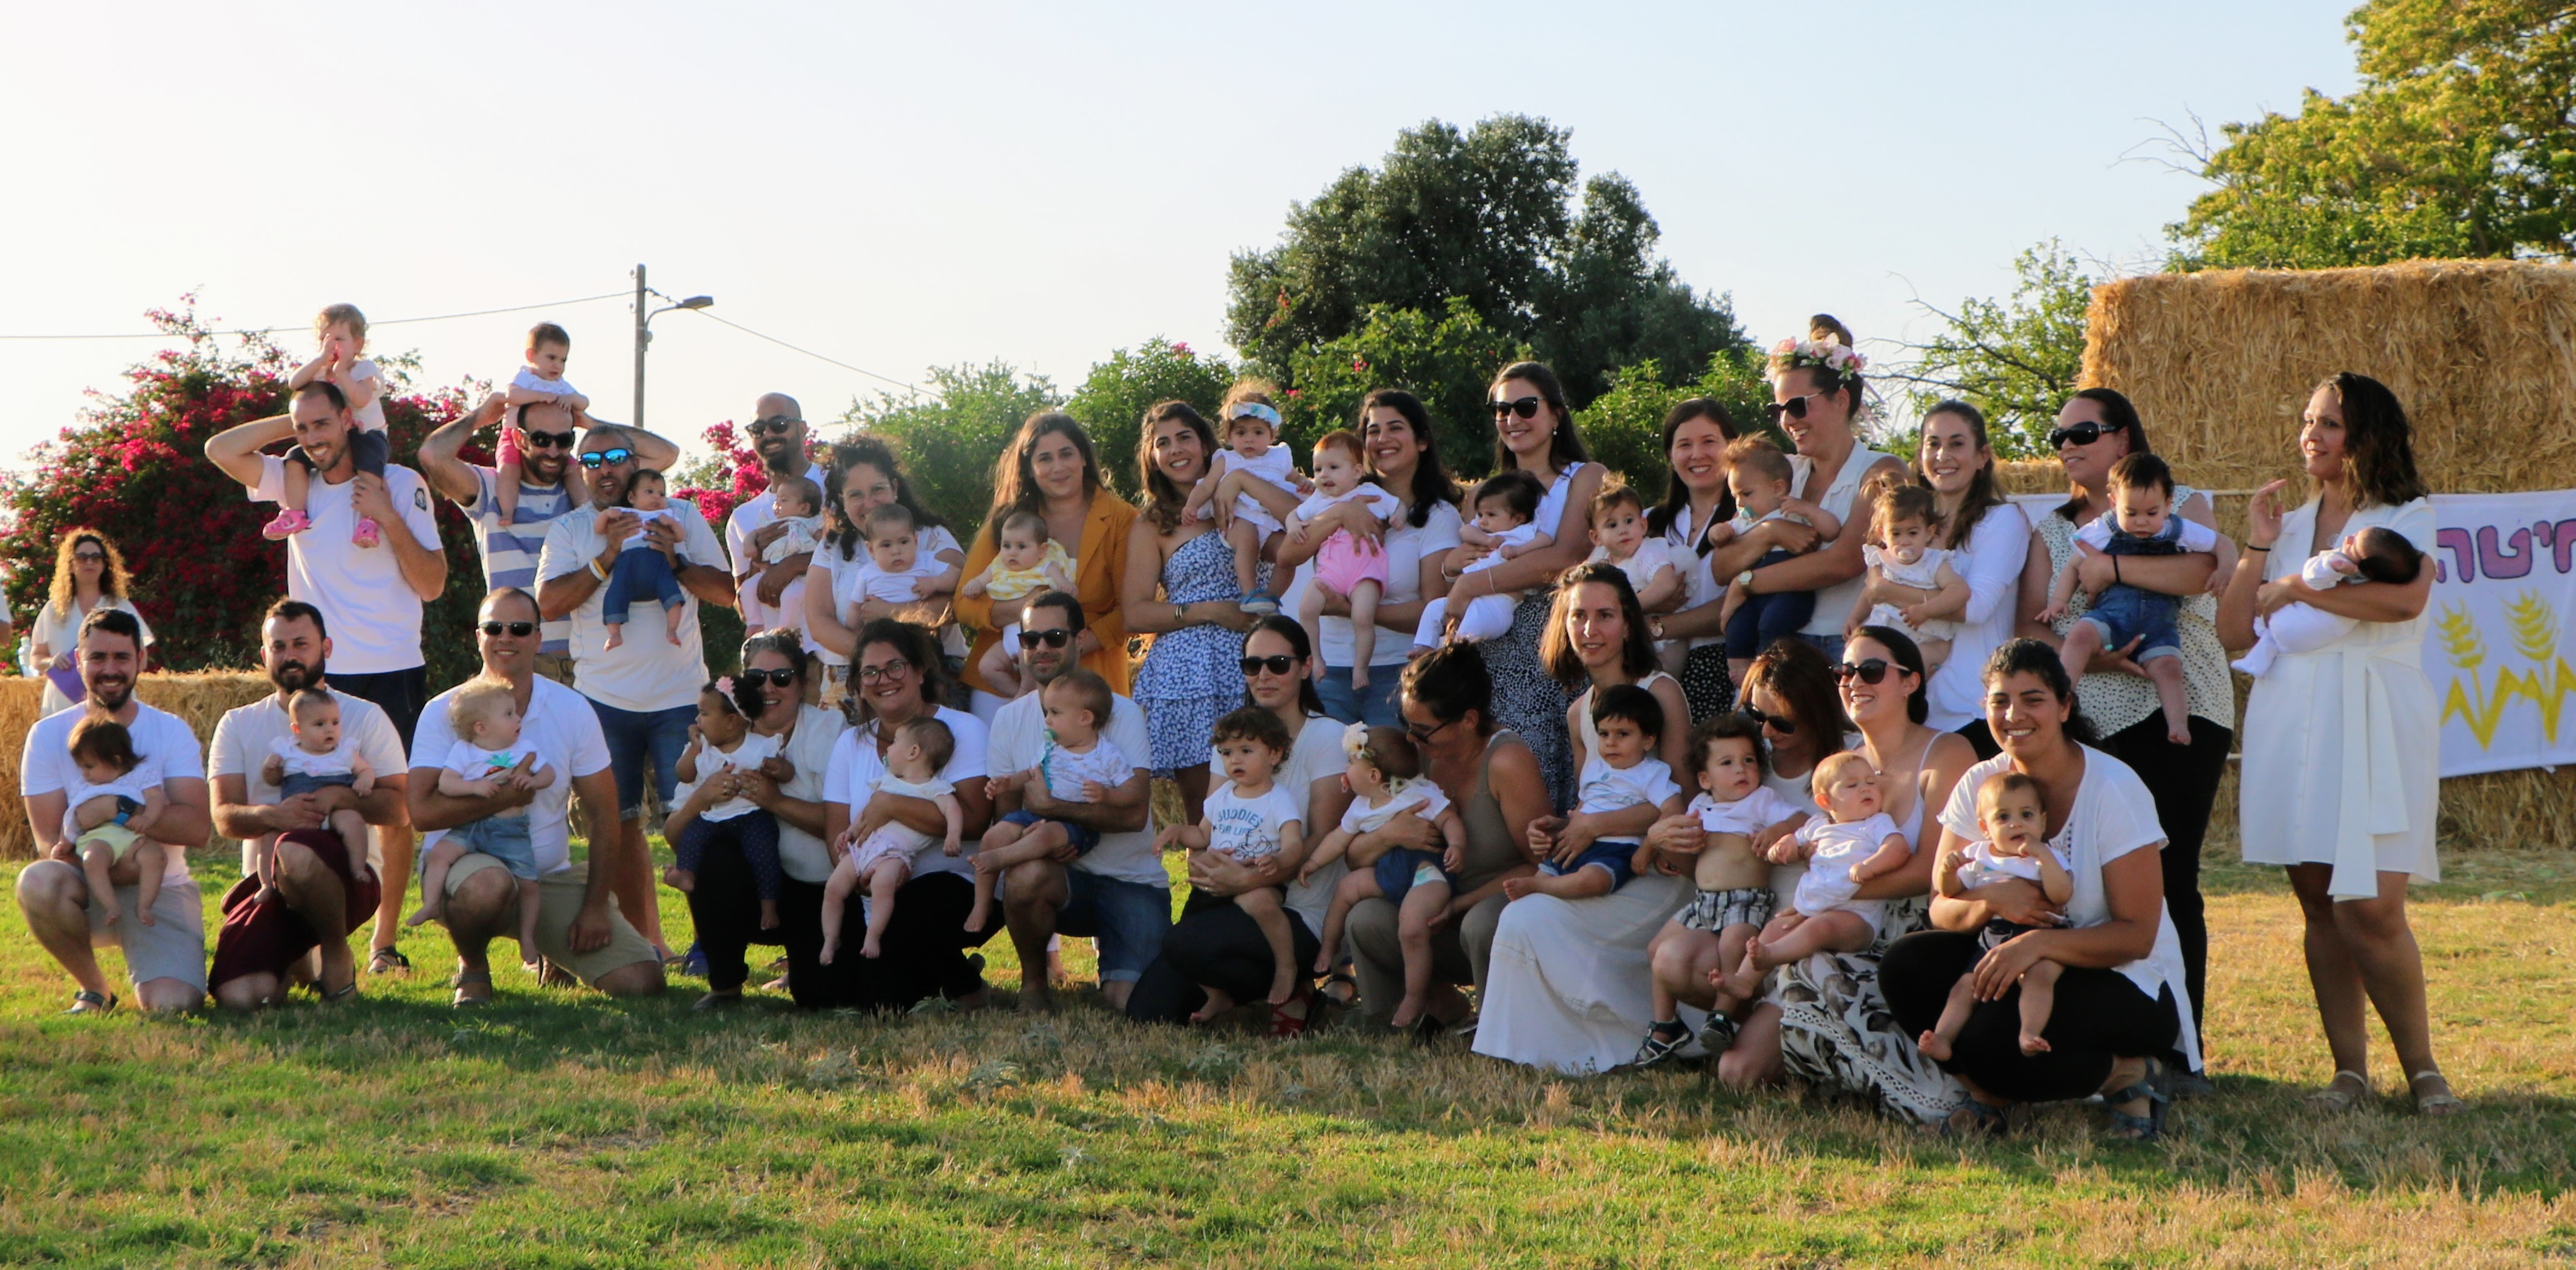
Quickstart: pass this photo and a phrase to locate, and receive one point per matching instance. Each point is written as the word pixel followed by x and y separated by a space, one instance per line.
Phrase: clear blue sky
pixel 916 185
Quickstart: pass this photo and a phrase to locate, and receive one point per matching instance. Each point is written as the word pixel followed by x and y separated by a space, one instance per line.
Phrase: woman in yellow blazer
pixel 1051 470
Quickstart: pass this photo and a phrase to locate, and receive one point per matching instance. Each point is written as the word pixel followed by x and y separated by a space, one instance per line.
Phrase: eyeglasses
pixel 1057 638
pixel 1422 734
pixel 546 440
pixel 771 425
pixel 1526 407
pixel 607 458
pixel 1277 664
pixel 1868 672
pixel 1795 408
pixel 1780 723
pixel 890 670
pixel 2085 433
pixel 90 557
pixel 520 629
pixel 756 678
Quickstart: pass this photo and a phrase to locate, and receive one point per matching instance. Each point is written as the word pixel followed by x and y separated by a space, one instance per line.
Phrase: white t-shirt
pixel 745 756
pixel 59 631
pixel 1315 755
pixel 1406 547
pixel 373 615
pixel 1747 816
pixel 168 749
pixel 1248 829
pixel 1383 505
pixel 1652 556
pixel 1991 565
pixel 1700 585
pixel 934 544
pixel 809 748
pixel 132 785
pixel 640 674
pixel 1516 536
pixel 2195 536
pixel 754 514
pixel 562 730
pixel 510 550
pixel 644 517
pixel 528 380
pixel 298 761
pixel 874 583
pixel 1606 788
pixel 1979 865
pixel 1068 770
pixel 247 735
pixel 1836 848
pixel 475 763
pixel 855 768
pixel 1019 736
pixel 1421 798
pixel 371 416
pixel 1834 603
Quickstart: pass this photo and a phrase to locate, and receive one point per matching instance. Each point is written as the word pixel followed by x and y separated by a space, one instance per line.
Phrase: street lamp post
pixel 644 332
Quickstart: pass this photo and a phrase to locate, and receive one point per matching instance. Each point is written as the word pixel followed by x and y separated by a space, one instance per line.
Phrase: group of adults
pixel 1555 983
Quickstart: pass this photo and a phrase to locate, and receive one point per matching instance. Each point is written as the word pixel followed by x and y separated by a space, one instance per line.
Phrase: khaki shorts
pixel 173 947
pixel 555 666
pixel 559 897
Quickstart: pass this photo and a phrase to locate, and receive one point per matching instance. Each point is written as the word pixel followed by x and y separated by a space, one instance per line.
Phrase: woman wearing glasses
pixel 865 476
pixel 89 573
pixel 1050 470
pixel 2095 429
pixel 1533 432
pixel 1181 589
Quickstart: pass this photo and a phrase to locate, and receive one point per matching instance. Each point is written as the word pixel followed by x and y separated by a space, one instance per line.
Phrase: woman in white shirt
pixel 2343 744
pixel 1989 540
pixel 89 573
pixel 1696 434
pixel 864 476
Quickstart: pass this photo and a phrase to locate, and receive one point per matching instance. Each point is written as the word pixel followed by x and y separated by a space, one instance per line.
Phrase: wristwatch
pixel 1655 626
pixel 1745 578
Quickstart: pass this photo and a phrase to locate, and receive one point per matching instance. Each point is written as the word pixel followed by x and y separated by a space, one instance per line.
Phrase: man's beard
pixel 783 456
pixel 292 675
pixel 99 698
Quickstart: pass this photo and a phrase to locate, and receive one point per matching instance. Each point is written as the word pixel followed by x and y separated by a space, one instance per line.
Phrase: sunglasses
pixel 1794 408
pixel 90 557
pixel 1277 664
pixel 2085 433
pixel 1526 407
pixel 520 629
pixel 546 440
pixel 1422 734
pixel 607 458
pixel 771 425
pixel 1780 723
pixel 1868 672
pixel 1057 638
pixel 756 678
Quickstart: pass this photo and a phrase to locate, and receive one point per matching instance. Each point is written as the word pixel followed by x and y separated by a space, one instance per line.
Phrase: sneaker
pixel 1259 604
pixel 366 534
pixel 693 964
pixel 288 523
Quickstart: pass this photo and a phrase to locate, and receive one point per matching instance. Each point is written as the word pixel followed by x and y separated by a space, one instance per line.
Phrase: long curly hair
pixel 1015 477
pixel 111 582
pixel 1163 499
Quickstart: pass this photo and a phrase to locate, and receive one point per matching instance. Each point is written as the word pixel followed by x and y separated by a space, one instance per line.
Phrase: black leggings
pixel 925 943
pixel 2099 1017
pixel 753 834
pixel 1220 946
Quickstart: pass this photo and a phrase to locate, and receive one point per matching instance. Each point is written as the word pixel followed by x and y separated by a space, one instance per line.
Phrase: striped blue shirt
pixel 510 551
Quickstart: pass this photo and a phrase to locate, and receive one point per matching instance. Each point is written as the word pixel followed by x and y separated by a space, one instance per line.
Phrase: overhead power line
pixel 808 352
pixel 270 330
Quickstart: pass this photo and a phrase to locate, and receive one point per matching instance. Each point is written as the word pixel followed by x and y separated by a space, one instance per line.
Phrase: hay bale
pixel 199 698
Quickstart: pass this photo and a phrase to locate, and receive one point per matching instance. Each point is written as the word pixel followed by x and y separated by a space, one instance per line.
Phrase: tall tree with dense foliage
pixel 2015 359
pixel 2461 141
pixel 949 437
pixel 1113 398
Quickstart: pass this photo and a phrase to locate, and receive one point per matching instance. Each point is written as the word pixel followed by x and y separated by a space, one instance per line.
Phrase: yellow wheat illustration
pixel 2535 636
pixel 2460 643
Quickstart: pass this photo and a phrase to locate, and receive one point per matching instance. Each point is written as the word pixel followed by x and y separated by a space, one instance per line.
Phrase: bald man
pixel 779 435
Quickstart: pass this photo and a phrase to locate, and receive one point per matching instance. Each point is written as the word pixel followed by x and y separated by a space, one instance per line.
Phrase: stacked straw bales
pixel 198 699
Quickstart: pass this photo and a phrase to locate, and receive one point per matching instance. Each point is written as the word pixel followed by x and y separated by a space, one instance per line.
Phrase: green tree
pixel 1445 361
pixel 2461 141
pixel 1113 399
pixel 1624 426
pixel 948 439
pixel 2015 360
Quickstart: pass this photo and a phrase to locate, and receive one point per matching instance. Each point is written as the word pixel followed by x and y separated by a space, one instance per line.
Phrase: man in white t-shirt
pixel 645 690
pixel 1118 893
pixel 322 894
pixel 580 928
pixel 370 596
pixel 777 431
pixel 166 959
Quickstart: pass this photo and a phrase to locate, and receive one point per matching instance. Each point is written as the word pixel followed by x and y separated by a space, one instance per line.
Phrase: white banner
pixel 2496 649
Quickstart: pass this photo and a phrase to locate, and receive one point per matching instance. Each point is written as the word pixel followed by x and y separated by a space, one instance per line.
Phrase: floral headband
pixel 1829 355
pixel 1355 746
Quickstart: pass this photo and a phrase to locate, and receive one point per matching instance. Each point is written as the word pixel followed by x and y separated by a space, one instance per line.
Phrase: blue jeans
pixel 1761 619
pixel 1129 919
pixel 640 574
pixel 1379 710
pixel 637 738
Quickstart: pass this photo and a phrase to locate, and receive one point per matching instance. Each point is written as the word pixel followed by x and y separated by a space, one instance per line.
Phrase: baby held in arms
pixel 2015 846
pixel 1343 566
pixel 2373 555
pixel 1742 818
pixel 1505 504
pixel 1384 773
pixel 1903 520
pixel 1252 820
pixel 1858 843
pixel 1622 773
pixel 1025 561
pixel 877 850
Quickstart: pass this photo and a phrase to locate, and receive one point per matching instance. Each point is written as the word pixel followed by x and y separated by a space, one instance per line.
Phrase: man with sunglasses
pixel 778 434
pixel 322 894
pixel 1118 893
pixel 510 549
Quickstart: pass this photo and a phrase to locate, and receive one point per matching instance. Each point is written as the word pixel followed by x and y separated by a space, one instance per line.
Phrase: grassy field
pixel 556 1129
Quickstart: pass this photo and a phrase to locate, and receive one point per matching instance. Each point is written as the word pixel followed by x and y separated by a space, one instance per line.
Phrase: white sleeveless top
pixel 1834 603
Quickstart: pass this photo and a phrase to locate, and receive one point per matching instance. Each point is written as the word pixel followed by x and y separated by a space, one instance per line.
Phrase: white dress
pixel 2344 744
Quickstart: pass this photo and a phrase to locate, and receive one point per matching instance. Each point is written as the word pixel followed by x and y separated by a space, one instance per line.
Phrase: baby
pixel 539 382
pixel 1078 765
pixel 1025 561
pixel 2141 522
pixel 1250 821
pixel 1253 455
pixel 1742 818
pixel 313 755
pixel 2015 846
pixel 1627 721
pixel 107 816
pixel 877 850
pixel 1761 478
pixel 342 332
pixel 1903 519
pixel 1505 505
pixel 796 503
pixel 1342 567
pixel 1619 537
pixel 642 572
pixel 720 741
pixel 2373 555
pixel 487 758
pixel 896 571
pixel 1385 777
pixel 1858 843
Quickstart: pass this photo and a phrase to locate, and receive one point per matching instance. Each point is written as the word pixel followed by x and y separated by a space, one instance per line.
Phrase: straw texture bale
pixel 198 698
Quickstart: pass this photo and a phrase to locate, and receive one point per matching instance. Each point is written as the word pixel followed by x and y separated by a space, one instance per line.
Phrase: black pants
pixel 2099 1017
pixel 1218 945
pixel 401 694
pixel 925 944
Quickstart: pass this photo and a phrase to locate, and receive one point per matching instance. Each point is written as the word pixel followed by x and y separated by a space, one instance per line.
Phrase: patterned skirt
pixel 1837 1034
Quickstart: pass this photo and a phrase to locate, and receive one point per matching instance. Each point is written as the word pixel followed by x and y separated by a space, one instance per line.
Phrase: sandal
pixel 88 1002
pixel 1288 1027
pixel 471 979
pixel 2335 1098
pixel 388 960
pixel 2149 1127
pixel 2444 1103
pixel 1981 1120
pixel 1657 1047
pixel 1342 980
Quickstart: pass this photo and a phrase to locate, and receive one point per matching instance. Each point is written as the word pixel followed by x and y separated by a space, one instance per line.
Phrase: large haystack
pixel 198 699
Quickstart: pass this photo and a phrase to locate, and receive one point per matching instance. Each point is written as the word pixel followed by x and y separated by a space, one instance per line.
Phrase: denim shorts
pixel 1378 709
pixel 2125 612
pixel 504 838
pixel 1620 858
pixel 1128 919
pixel 1083 837
pixel 299 783
pixel 641 743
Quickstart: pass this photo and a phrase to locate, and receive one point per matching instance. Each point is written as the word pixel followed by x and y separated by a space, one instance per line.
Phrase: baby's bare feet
pixel 871 949
pixel 2031 1043
pixel 1933 1046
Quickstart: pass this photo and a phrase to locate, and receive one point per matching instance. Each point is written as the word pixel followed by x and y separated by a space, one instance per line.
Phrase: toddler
pixel 1025 561
pixel 1506 504
pixel 539 382
pixel 796 503
pixel 896 571
pixel 1742 818
pixel 642 572
pixel 1761 478
pixel 1621 773
pixel 107 816
pixel 1858 842
pixel 1253 455
pixel 342 332
pixel 1619 537
pixel 1250 821
pixel 878 851
pixel 1078 765
pixel 1902 520
pixel 2141 522
pixel 486 758
pixel 314 754
pixel 1341 567
pixel 2373 555
pixel 722 741
pixel 2015 846
pixel 1385 776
